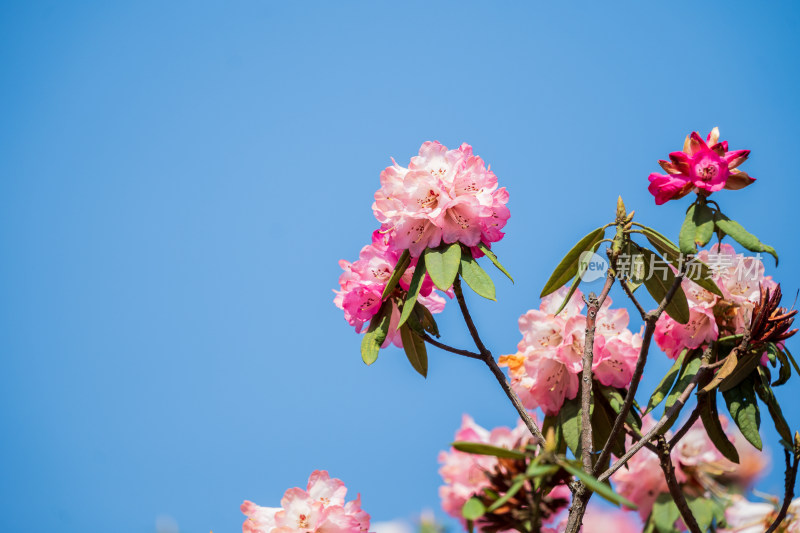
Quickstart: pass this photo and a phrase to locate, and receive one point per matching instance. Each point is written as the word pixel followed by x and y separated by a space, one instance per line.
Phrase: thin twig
pixel 488 358
pixel 631 297
pixel 673 411
pixel 791 479
pixel 466 353
pixel 674 488
pixel 650 327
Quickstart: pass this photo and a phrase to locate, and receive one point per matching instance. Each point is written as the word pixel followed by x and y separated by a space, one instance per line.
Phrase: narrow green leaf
pixel 687 375
pixel 742 236
pixel 575 282
pixel 487 449
pixel 512 490
pixel 415 350
pixel 710 417
pixel 785 371
pixel 666 383
pixel 443 263
pixel 568 267
pixel 791 358
pixel 616 400
pixel 569 418
pixel 493 258
pixel 426 319
pixel 376 333
pixel 473 509
pixel 477 278
pixel 698 272
pixel 704 224
pixel 665 513
pixel 686 240
pixel 741 401
pixel 658 285
pixel 397 273
pixel 413 291
pixel 603 417
pixel 764 392
pixel 593 484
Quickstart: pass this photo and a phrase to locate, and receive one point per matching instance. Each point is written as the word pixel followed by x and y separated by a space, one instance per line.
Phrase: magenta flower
pixel 443 196
pixel 319 508
pixel 703 166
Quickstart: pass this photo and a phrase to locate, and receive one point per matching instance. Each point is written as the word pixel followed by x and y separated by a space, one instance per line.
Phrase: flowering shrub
pixel 709 307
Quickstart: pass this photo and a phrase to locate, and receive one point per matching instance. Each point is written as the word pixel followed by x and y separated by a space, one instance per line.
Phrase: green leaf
pixel 425 319
pixel 473 509
pixel 697 228
pixel 575 282
pixel 658 285
pixel 493 258
pixel 616 400
pixel 569 418
pixel 487 449
pixel 666 383
pixel 785 371
pixel 397 273
pixel 764 392
pixel 703 511
pixel 512 490
pixel 687 375
pixel 698 272
pixel 593 484
pixel 554 422
pixel 603 417
pixel 443 263
pixel 665 513
pixel 742 236
pixel 413 291
pixel 568 267
pixel 477 278
pixel 415 350
pixel 791 358
pixel 741 401
pixel 376 333
pixel 710 417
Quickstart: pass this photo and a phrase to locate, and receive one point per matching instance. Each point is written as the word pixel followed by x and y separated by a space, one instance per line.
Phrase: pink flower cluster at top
pixel 443 195
pixel 703 166
pixel 544 371
pixel 362 283
pixel 319 508
pixel 738 278
pixel 464 474
pixel 697 462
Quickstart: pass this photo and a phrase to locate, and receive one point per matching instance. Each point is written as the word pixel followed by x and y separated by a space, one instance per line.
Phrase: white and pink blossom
pixel 320 508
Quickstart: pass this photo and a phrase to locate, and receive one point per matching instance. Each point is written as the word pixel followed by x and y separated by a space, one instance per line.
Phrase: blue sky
pixel 178 181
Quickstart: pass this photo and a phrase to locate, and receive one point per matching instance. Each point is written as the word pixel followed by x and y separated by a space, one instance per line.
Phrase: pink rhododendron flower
pixel 544 371
pixel 738 278
pixel 743 516
pixel 320 508
pixel 465 474
pixel 362 283
pixel 703 166
pixel 443 196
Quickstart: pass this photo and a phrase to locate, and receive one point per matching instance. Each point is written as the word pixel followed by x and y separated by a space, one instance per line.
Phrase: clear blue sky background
pixel 179 179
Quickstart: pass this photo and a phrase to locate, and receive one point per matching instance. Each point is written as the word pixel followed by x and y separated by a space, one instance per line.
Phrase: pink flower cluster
pixel 743 516
pixel 703 166
pixel 464 474
pixel 544 371
pixel 362 283
pixel 319 508
pixel 443 195
pixel 738 278
pixel 697 462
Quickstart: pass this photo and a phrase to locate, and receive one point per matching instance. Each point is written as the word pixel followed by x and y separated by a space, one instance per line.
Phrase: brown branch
pixel 466 353
pixel 487 358
pixel 674 488
pixel 791 479
pixel 650 327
